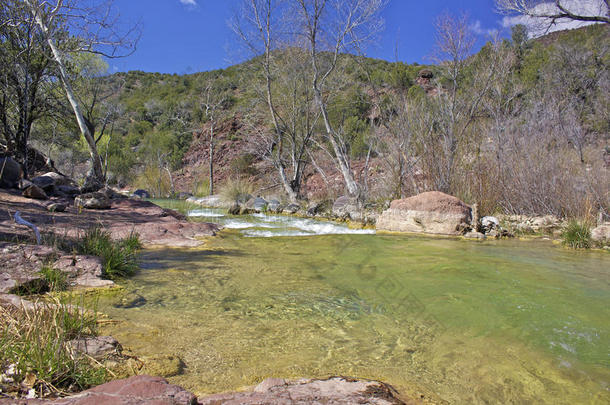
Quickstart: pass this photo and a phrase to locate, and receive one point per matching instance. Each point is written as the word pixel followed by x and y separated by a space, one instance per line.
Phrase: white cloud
pixel 478 29
pixel 191 3
pixel 540 26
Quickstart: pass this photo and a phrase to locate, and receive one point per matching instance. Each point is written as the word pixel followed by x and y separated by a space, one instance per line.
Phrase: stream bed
pixel 457 321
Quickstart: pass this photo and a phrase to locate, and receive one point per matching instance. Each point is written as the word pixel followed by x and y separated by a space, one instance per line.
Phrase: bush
pixel 577 235
pixel 118 257
pixel 236 190
pixel 34 348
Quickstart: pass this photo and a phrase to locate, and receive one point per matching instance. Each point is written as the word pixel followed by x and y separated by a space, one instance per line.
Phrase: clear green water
pixel 456 321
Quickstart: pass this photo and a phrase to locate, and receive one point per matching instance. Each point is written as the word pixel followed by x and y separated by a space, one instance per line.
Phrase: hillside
pixel 161 126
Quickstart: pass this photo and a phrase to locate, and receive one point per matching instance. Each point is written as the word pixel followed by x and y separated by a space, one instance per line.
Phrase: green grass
pixel 33 343
pixel 577 235
pixel 118 257
pixel 56 279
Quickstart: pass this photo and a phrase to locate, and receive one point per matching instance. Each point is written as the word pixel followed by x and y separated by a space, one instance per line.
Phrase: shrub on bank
pixel 577 235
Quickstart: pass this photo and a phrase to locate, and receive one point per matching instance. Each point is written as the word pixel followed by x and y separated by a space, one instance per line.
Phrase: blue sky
pixel 187 36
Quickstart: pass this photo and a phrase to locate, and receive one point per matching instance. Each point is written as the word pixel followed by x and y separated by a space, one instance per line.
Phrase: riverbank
pixel 157 227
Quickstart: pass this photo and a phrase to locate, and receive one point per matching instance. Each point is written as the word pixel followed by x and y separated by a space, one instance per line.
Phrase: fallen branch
pixel 34 228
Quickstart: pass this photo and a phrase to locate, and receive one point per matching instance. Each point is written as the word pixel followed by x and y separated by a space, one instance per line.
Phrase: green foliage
pixel 155 180
pixel 577 235
pixel 118 257
pixel 34 341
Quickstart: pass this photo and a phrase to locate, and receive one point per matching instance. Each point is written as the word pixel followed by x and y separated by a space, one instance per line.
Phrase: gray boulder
pixel 10 172
pixel 489 224
pixel 601 233
pixel 292 209
pixel 141 193
pixel 35 192
pixel 260 204
pixel 46 183
pixel 183 195
pixel 60 180
pixel 431 212
pixel 347 207
pixel 94 201
pixel 274 206
pixel 68 190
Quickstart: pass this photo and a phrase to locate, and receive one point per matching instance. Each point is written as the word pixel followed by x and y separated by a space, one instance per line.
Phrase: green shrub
pixel 577 235
pixel 34 344
pixel 118 257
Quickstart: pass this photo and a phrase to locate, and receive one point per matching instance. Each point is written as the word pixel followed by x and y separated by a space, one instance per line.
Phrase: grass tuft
pixel 577 235
pixel 56 279
pixel 236 190
pixel 34 352
pixel 118 257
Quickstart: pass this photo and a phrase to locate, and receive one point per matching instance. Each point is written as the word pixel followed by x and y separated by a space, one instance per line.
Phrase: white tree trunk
pixel 97 171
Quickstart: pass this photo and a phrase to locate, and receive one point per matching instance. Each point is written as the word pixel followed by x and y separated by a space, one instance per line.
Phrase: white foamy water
pixel 267 226
pixel 207 213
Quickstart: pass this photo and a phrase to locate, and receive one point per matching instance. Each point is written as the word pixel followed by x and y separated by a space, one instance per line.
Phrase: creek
pixel 453 320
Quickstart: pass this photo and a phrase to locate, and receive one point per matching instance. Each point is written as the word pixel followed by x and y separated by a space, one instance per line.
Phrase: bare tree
pixel 551 12
pixel 95 27
pixel 329 28
pixel 287 96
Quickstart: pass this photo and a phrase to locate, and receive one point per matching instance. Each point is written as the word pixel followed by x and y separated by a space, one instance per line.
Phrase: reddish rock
pixel 138 390
pixel 156 226
pixel 431 212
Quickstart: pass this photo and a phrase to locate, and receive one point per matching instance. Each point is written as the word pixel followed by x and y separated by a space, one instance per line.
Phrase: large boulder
pixel 432 212
pixel 94 201
pixel 10 172
pixel 601 234
pixel 347 207
pixel 46 183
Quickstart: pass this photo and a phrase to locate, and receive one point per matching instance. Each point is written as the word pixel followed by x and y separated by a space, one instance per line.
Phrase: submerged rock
pixel 98 347
pixel 335 390
pixel 431 212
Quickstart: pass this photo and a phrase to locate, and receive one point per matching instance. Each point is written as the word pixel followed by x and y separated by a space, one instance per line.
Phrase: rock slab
pixel 335 390
pixel 432 212
pixel 138 390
